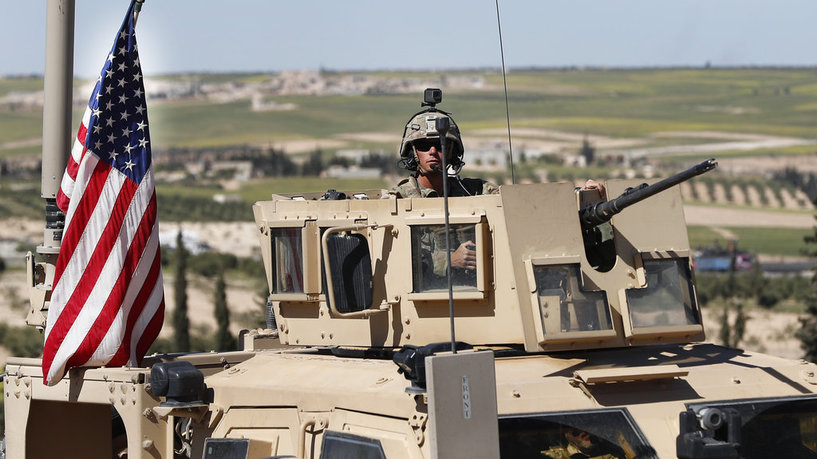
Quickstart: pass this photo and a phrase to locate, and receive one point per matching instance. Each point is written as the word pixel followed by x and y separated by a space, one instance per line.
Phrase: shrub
pixel 22 341
pixel 209 264
pixel 769 298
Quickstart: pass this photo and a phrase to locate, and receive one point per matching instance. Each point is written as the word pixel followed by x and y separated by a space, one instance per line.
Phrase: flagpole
pixel 136 9
pixel 57 97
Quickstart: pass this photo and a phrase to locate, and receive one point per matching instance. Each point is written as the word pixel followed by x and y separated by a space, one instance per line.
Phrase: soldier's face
pixel 429 155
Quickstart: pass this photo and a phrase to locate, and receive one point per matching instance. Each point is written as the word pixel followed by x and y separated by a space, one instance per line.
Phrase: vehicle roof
pixel 526 383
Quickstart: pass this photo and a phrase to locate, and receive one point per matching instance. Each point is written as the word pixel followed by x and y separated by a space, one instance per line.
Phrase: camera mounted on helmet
pixel 421 131
pixel 432 97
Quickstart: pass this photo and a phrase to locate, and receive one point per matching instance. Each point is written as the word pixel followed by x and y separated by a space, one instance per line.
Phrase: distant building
pixel 242 170
pixel 222 198
pixel 353 155
pixel 575 160
pixel 487 159
pixel 9 251
pixel 190 239
pixel 259 104
pixel 352 172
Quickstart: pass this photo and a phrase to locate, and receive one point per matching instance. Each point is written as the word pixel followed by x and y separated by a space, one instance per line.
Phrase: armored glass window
pixel 564 307
pixel 430 262
pixel 340 445
pixel 226 448
pixel 597 433
pixel 287 260
pixel 347 257
pixel 667 300
pixel 322 269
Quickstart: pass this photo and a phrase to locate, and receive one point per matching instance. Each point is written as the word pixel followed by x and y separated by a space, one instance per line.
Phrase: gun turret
pixel 598 237
pixel 601 212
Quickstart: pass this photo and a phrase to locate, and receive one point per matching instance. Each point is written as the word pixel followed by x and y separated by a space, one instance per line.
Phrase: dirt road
pixel 722 216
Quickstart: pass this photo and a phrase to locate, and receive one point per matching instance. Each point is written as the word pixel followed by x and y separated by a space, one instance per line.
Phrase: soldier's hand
pixel 591 184
pixel 465 256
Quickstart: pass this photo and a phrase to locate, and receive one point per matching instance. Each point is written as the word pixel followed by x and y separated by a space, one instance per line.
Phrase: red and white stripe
pixel 107 303
pixel 77 152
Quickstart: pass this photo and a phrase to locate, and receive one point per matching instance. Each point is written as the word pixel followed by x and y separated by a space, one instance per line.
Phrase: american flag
pixel 107 302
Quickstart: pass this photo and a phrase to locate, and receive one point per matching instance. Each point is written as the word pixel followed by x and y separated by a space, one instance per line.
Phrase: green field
pixel 259 190
pixel 616 103
pixel 773 241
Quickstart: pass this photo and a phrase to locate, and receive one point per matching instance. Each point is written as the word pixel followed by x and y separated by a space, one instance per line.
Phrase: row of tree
pixel 766 292
pixel 224 340
pixel 277 163
pixel 806 181
pixel 808 324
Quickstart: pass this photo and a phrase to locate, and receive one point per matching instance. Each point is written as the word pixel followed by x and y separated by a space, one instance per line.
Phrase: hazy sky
pixel 250 35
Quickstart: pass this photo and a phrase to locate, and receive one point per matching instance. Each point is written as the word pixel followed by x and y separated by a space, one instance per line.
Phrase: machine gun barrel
pixel 601 212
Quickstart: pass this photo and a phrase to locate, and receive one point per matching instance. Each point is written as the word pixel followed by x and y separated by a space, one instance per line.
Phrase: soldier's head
pixel 421 136
pixel 585 442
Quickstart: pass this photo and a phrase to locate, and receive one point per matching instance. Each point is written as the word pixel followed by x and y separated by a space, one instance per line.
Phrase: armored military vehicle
pixel 576 333
pixel 555 355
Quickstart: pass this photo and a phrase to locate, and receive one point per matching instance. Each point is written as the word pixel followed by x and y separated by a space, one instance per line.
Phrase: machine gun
pixel 601 212
pixel 598 244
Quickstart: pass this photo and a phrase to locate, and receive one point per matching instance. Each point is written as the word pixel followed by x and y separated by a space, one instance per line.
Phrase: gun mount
pixel 595 214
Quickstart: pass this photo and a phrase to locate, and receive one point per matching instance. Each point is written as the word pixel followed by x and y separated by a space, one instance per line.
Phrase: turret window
pixel 667 299
pixel 564 306
pixel 287 260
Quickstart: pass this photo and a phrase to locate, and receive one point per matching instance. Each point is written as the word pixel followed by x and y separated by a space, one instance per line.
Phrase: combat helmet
pixel 422 125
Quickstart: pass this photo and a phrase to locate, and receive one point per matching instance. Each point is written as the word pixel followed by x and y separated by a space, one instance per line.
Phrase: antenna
pixel 505 83
pixel 442 125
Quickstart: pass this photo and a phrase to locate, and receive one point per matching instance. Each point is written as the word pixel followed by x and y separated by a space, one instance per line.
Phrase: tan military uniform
pixel 433 261
pixel 411 188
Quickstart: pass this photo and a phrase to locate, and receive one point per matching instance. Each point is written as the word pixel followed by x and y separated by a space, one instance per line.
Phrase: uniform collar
pixel 424 192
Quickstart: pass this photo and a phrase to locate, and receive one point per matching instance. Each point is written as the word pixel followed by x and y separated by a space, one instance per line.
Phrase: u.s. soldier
pixel 421 155
pixel 421 150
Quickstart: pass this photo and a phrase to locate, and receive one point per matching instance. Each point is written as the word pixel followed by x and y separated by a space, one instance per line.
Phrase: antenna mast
pixel 505 84
pixel 442 125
